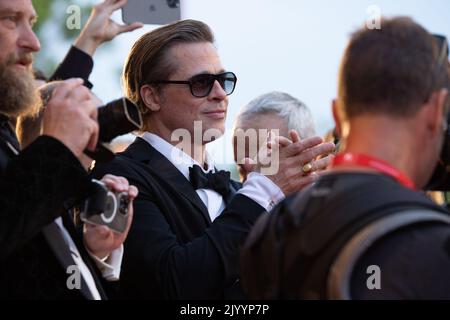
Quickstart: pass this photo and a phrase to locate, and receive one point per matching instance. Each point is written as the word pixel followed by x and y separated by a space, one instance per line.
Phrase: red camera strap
pixel 373 163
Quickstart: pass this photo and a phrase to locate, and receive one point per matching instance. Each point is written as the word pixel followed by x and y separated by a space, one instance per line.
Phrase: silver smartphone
pixel 151 11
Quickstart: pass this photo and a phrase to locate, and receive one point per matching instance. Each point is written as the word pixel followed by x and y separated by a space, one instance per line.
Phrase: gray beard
pixel 18 95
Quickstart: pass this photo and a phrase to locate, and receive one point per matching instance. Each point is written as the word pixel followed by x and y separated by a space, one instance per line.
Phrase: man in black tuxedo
pixel 38 242
pixel 190 219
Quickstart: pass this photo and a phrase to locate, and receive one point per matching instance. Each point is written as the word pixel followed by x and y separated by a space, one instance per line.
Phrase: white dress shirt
pixel 258 187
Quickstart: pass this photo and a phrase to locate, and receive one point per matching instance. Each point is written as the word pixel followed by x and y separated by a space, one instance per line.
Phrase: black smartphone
pixel 151 11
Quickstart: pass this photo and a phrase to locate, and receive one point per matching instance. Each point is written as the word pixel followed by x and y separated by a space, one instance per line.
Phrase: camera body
pixel 116 118
pixel 106 207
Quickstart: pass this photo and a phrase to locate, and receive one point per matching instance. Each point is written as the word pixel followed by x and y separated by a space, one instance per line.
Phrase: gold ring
pixel 307 168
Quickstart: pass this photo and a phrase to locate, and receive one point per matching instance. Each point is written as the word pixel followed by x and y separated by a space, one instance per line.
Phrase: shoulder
pixel 119 166
pixel 413 263
pixel 127 163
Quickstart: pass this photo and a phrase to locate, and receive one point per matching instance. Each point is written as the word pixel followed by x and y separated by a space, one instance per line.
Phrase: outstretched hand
pixel 100 28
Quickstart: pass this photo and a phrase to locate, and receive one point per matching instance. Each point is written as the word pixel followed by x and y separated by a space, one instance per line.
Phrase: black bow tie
pixel 218 181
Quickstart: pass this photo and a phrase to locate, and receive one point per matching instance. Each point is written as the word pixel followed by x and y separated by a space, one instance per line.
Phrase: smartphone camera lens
pixel 173 3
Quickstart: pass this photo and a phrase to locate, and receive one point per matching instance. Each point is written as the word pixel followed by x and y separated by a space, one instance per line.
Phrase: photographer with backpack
pixel 365 230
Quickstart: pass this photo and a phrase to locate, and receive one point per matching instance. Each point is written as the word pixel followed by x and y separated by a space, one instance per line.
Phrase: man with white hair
pixel 268 112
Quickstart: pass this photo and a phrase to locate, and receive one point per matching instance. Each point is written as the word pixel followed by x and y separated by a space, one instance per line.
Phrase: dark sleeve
pixel 414 264
pixel 196 270
pixel 154 259
pixel 76 64
pixel 35 188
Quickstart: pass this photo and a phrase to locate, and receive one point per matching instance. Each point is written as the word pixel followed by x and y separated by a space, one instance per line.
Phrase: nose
pixel 217 92
pixel 28 39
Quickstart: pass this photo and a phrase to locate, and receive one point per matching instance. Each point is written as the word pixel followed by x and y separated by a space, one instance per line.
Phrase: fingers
pixel 133 192
pixel 280 141
pixel 93 139
pixel 297 166
pixel 120 184
pixel 116 4
pixel 90 108
pixel 70 116
pixel 128 28
pixel 110 5
pixel 300 146
pixel 307 180
pixel 64 89
pixel 100 232
pixel 322 164
pixel 295 137
pixel 74 90
pixel 96 100
pixel 129 220
pixel 310 154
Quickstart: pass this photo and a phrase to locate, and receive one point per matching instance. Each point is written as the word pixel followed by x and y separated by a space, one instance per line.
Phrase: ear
pixel 337 120
pixel 150 97
pixel 436 111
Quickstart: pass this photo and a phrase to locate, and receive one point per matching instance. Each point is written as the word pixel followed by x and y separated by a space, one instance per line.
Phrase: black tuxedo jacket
pixel 34 191
pixel 173 250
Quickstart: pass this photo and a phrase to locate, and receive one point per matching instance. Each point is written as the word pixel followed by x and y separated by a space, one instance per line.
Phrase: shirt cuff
pixel 111 267
pixel 262 190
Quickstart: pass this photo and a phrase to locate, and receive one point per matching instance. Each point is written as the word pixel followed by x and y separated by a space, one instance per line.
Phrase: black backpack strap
pixel 340 273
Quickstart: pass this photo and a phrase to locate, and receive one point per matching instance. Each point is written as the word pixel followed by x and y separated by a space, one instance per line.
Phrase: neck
pixel 198 153
pixel 389 140
pixel 195 151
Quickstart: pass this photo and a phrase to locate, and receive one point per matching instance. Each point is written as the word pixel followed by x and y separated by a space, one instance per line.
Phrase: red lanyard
pixel 370 162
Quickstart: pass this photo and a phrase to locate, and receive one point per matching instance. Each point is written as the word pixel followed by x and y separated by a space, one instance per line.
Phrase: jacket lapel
pixel 58 245
pixel 76 237
pixel 234 187
pixel 160 166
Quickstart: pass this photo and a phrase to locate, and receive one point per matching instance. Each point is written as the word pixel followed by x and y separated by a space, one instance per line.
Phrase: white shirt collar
pixel 181 160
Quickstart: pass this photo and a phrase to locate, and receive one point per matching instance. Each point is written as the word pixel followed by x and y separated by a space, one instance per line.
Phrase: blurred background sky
pixel 289 45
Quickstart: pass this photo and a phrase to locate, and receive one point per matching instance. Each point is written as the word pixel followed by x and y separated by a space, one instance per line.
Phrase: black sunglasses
pixel 202 84
pixel 443 46
pixel 441 60
pixel 443 52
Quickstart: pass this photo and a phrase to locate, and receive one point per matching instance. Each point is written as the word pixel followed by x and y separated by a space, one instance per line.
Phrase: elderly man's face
pixel 17 43
pixel 178 107
pixel 267 122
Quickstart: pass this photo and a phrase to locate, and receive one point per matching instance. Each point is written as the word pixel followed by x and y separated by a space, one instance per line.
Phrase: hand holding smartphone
pixel 151 11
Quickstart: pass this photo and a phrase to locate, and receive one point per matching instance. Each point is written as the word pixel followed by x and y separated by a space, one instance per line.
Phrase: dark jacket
pixel 173 250
pixel 36 187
